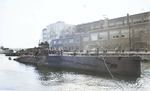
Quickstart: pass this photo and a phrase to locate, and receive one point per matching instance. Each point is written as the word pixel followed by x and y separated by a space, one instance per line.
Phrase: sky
pixel 22 21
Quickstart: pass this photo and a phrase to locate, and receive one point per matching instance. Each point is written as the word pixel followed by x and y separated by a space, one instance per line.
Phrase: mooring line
pixel 109 71
pixel 41 61
pixel 107 67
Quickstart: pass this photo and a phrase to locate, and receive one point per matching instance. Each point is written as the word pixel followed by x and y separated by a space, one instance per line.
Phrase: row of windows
pixel 120 23
pixel 84 47
pixel 137 22
pixel 115 34
pixel 141 21
pixel 66 41
pixel 85 39
pixel 44 31
pixel 94 37
pixel 146 20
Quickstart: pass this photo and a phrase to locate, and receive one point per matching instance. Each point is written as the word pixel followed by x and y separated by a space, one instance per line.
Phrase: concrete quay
pixel 145 56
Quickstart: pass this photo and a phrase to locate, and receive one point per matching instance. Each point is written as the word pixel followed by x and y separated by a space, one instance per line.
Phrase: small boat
pixel 9 58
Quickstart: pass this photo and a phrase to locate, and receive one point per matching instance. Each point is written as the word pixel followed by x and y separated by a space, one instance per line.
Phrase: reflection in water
pixel 46 72
pixel 19 76
pixel 51 76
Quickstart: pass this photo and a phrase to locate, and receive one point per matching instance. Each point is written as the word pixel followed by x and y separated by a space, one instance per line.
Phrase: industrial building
pixel 128 33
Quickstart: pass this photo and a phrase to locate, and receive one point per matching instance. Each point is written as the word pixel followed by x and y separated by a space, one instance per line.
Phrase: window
pixel 94 36
pixel 77 47
pixel 70 40
pixel 44 35
pixel 77 40
pixel 44 38
pixel 146 20
pixel 54 42
pixel 86 47
pixel 66 41
pixel 137 22
pixel 114 34
pixel 70 47
pixel 59 41
pixel 125 33
pixel 86 39
pixel 119 22
pixel 103 35
pixel 122 35
pixel 44 31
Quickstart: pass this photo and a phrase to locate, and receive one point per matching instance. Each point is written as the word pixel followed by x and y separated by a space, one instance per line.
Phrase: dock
pixel 145 56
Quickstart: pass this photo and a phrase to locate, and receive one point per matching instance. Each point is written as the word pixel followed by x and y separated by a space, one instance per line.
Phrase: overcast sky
pixel 22 21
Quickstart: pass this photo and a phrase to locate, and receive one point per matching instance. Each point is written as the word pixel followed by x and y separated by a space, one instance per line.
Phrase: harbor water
pixel 15 76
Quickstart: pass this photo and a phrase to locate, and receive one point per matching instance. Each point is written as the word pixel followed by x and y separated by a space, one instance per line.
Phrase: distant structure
pixel 5 50
pixel 53 31
pixel 128 33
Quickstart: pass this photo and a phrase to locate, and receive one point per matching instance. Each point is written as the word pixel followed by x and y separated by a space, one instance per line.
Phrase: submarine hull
pixel 118 65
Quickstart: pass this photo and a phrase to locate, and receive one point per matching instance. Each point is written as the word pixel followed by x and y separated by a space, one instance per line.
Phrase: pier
pixel 145 56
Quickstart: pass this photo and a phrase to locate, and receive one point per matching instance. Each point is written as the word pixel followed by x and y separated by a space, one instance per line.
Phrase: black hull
pixel 118 65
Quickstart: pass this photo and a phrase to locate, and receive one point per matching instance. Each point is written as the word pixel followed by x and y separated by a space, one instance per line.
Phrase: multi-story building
pixel 67 31
pixel 53 31
pixel 130 32
pixel 44 35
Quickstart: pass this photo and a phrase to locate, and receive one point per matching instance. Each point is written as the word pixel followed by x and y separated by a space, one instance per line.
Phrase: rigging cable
pixel 107 67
